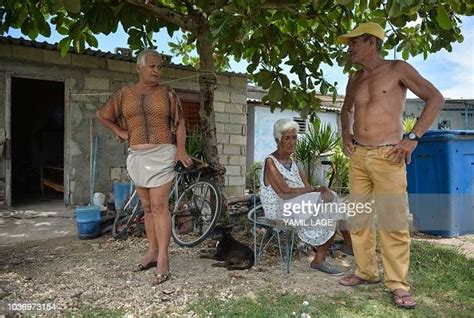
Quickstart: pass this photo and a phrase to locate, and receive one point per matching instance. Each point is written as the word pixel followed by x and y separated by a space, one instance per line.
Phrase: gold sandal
pixel 160 278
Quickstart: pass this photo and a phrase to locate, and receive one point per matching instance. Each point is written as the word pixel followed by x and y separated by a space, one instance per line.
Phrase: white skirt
pixel 153 167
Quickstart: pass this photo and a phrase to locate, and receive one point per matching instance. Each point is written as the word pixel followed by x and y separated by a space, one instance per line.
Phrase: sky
pixel 451 72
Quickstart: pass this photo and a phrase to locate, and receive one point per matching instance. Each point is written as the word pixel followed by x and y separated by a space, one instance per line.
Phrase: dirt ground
pixel 77 274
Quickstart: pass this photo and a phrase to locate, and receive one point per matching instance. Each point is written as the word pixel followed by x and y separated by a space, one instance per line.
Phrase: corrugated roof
pixel 109 55
pixel 333 108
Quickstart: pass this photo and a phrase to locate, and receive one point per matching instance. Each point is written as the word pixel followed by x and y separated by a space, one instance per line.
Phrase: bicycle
pixel 195 202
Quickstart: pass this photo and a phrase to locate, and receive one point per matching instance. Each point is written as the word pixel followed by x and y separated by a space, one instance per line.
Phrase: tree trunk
pixel 207 83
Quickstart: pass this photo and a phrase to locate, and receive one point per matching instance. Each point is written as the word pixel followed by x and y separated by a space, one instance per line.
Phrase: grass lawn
pixel 442 282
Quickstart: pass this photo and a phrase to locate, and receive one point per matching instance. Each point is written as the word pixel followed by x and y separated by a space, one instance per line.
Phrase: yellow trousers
pixel 379 186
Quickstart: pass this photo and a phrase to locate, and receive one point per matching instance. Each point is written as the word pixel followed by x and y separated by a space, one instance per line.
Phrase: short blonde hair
pixel 283 125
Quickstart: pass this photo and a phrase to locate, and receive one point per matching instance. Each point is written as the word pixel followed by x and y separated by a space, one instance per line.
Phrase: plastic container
pixel 88 222
pixel 441 183
pixel 98 199
pixel 122 192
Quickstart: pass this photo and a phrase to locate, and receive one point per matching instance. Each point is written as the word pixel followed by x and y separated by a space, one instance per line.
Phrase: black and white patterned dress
pixel 317 228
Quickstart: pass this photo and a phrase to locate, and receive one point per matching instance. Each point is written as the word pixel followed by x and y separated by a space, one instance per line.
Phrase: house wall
pixel 263 120
pixel 457 114
pixel 89 82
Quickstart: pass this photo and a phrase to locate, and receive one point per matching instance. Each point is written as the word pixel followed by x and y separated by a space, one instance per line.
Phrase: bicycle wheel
pixel 127 219
pixel 195 213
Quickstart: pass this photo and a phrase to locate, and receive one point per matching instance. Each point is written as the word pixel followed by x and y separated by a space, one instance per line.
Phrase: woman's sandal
pixel 140 267
pixel 402 298
pixel 160 278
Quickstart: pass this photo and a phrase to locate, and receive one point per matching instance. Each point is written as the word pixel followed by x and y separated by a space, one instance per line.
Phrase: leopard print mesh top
pixel 150 118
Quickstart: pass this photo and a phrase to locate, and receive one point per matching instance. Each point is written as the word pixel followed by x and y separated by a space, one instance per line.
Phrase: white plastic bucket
pixel 98 199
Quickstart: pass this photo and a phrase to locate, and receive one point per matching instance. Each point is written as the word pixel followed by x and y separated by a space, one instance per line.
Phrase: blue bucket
pixel 122 192
pixel 88 222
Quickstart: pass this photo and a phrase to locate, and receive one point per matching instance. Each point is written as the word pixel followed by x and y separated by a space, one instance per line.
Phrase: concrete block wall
pixel 90 81
pixel 230 106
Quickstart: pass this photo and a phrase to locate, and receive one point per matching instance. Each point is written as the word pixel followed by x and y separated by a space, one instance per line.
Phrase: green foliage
pixel 340 182
pixel 195 143
pixel 300 34
pixel 317 140
pixel 253 176
pixel 408 124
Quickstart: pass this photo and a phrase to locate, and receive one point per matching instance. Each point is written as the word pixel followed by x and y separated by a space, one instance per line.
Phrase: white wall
pixel 263 141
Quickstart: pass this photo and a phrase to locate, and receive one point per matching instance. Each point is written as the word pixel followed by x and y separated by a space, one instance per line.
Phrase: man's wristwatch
pixel 412 136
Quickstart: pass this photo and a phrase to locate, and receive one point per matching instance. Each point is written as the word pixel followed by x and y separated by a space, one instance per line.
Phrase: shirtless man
pixel 373 137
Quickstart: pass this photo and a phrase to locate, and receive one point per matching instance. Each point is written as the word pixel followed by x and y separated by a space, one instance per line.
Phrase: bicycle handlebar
pixel 198 165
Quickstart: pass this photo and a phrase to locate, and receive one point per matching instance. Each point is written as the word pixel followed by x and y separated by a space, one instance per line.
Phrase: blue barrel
pixel 121 193
pixel 88 222
pixel 441 183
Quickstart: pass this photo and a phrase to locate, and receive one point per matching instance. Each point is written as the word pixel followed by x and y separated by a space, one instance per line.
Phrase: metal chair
pixel 274 230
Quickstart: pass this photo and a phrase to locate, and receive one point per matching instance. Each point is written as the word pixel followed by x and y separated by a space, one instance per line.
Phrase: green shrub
pixel 340 183
pixel 195 143
pixel 253 175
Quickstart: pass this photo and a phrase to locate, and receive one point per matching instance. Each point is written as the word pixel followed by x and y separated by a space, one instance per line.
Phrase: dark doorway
pixel 37 140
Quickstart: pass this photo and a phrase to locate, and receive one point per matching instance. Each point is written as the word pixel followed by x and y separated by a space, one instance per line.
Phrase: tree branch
pixel 166 14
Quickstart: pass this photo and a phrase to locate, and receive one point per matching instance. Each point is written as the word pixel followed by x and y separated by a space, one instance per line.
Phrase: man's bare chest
pixel 380 85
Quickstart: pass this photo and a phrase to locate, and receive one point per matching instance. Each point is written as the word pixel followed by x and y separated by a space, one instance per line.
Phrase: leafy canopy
pixel 266 33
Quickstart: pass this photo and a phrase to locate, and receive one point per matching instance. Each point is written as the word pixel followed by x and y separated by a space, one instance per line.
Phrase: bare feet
pixel 163 265
pixel 150 257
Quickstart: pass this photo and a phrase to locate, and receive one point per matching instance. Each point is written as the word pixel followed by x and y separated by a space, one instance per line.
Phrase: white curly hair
pixel 283 125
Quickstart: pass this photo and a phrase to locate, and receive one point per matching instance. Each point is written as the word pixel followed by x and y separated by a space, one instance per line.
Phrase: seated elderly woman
pixel 284 186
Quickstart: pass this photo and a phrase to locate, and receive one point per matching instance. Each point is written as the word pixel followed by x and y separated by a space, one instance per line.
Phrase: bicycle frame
pixel 186 180
pixel 174 193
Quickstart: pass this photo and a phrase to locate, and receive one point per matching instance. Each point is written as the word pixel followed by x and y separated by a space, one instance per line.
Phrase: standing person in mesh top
pixel 149 116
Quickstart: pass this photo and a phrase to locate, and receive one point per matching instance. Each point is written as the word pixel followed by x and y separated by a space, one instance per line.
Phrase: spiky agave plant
pixel 408 124
pixel 318 140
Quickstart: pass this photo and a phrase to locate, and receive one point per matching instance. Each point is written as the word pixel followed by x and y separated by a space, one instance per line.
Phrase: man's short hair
pixel 141 56
pixel 283 125
pixel 378 42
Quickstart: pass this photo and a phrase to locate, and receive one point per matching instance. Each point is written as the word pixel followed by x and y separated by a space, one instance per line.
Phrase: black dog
pixel 235 255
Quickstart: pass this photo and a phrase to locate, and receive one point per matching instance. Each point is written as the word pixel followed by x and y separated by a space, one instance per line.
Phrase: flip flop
pixel 160 278
pixel 354 280
pixel 399 297
pixel 140 267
